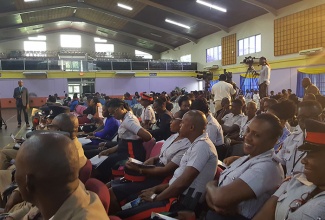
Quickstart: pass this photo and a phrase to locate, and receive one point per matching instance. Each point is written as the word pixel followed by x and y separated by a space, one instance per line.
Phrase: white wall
pixel 53 43
pixel 263 25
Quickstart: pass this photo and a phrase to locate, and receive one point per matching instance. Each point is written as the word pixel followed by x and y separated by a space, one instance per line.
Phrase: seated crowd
pixel 253 159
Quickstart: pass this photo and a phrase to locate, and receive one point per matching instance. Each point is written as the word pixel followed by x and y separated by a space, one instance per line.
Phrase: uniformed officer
pixel 131 136
pixel 303 197
pixel 289 156
pixel 148 117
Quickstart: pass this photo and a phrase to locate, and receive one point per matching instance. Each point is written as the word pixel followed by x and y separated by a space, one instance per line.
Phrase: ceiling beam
pixel 36 9
pixel 75 19
pixel 91 7
pixel 263 6
pixel 78 31
pixel 124 33
pixel 186 15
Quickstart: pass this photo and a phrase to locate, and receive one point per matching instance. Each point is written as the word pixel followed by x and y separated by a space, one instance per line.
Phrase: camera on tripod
pixel 250 60
pixel 205 75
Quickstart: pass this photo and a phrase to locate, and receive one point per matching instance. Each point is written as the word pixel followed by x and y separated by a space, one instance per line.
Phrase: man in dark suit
pixel 22 102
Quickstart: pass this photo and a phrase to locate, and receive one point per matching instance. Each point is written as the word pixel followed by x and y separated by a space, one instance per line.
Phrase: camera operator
pixel 264 77
pixel 221 90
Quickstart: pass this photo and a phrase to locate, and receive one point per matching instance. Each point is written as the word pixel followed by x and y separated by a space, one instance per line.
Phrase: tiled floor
pixel 10 116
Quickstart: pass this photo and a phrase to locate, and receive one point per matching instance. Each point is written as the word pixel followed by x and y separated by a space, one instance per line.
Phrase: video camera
pixel 250 60
pixel 205 75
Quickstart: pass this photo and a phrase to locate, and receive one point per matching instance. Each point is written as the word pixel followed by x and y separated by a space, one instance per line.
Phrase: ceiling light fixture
pixel 124 6
pixel 211 5
pixel 177 23
pixel 37 28
pixel 31 0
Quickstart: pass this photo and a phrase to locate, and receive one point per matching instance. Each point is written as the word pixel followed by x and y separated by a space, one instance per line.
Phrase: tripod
pixel 250 70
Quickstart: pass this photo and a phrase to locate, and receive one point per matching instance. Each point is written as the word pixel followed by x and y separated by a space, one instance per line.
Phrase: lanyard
pixel 295 162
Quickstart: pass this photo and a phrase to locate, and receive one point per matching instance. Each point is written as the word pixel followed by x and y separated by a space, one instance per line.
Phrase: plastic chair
pixel 148 146
pixel 98 187
pixel 156 149
pixel 85 172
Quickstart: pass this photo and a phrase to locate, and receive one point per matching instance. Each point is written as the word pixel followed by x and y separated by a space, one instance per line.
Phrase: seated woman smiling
pixel 245 185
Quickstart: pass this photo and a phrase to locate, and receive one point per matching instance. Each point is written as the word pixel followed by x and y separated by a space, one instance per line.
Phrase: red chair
pixel 156 149
pixel 98 187
pixel 85 172
pixel 148 147
pixel 218 173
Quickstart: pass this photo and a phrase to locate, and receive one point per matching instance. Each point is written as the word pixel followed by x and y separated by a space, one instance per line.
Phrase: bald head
pixel 46 161
pixel 66 122
pixel 193 124
pixel 305 82
pixel 20 83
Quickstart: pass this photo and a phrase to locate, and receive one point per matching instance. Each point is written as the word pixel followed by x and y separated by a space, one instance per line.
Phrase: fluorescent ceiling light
pixel 98 40
pixel 39 37
pixel 211 5
pixel 124 6
pixel 31 0
pixel 177 23
pixel 156 35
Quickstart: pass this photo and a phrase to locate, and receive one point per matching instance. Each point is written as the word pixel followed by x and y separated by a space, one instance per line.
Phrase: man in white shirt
pixel 221 90
pixel 264 79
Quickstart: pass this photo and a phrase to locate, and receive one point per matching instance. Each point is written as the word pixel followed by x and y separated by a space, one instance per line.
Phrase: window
pixel 104 48
pixel 249 45
pixel 142 54
pixel 213 54
pixel 35 48
pixel 70 41
pixel 186 58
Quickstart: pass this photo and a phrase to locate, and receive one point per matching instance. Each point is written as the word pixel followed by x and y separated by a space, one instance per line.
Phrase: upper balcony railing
pixel 93 65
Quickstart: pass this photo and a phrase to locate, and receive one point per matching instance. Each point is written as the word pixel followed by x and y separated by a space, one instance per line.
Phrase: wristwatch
pixel 153 196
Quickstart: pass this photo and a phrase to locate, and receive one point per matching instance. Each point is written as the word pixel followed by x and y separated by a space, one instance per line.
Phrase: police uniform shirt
pixel 148 114
pixel 294 190
pixel 202 156
pixel 243 124
pixel 289 154
pixel 262 174
pixel 229 119
pixel 279 143
pixel 214 131
pixel 173 151
pixel 129 127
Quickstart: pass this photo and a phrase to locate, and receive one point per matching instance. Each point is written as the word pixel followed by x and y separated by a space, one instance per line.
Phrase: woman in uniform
pixel 148 117
pixel 130 138
pixel 303 197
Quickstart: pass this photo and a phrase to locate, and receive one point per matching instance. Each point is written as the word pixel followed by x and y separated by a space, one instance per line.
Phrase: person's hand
pixel 102 146
pixel 132 166
pixel 230 160
pixel 150 161
pixel 105 152
pixel 146 194
pixel 13 200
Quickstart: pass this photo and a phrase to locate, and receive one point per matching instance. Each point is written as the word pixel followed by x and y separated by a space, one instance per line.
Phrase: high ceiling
pixel 143 27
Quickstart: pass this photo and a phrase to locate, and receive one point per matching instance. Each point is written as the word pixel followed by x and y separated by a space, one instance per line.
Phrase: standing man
pixel 221 90
pixel 264 79
pixel 309 87
pixel 22 102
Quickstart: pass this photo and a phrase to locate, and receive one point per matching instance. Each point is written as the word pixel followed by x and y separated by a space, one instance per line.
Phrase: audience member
pixel 309 96
pixel 230 119
pixel 148 117
pixel 184 103
pixel 309 87
pixel 197 167
pixel 303 196
pixel 243 188
pixel 75 101
pixel 47 168
pixel 225 104
pixel 289 156
pixel 221 90
pixel 131 135
pixel 269 102
pixel 163 120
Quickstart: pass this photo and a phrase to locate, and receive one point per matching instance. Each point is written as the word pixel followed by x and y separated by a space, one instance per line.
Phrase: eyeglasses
pixel 297 203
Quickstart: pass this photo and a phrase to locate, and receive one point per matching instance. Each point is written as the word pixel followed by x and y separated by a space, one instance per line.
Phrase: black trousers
pixel 21 108
pixel 263 90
